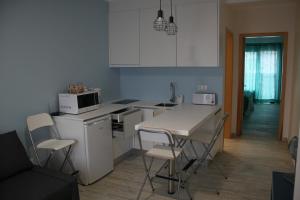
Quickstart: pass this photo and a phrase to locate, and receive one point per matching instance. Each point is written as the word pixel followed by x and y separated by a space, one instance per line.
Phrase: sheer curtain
pixel 263 68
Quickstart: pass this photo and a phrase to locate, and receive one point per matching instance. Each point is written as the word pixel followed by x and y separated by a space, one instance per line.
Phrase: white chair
pixel 167 151
pixel 43 120
pixel 207 138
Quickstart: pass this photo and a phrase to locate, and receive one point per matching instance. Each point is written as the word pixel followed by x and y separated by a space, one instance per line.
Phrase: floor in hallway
pixel 263 121
pixel 248 162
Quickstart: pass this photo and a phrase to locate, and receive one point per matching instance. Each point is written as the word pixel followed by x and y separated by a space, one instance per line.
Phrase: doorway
pixel 262 68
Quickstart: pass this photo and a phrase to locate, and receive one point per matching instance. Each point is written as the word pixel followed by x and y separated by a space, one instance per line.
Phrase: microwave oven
pixel 204 98
pixel 79 103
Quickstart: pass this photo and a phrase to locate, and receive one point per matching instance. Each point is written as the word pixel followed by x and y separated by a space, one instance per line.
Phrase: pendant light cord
pixel 171 8
pixel 159 4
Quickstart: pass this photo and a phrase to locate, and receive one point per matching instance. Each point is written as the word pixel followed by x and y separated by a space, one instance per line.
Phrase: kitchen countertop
pixel 183 120
pixel 105 109
pixel 179 111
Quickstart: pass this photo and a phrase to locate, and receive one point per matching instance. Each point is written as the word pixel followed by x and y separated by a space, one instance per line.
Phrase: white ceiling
pixel 252 1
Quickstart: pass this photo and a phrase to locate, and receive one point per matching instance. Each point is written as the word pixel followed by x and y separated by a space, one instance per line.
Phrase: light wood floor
pixel 263 121
pixel 248 162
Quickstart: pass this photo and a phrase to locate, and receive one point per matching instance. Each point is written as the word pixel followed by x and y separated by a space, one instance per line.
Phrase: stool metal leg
pixel 217 165
pixel 178 187
pixel 171 175
pixel 49 158
pixel 147 176
pixel 66 158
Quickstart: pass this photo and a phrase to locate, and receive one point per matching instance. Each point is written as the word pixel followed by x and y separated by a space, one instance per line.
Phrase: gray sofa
pixel 21 180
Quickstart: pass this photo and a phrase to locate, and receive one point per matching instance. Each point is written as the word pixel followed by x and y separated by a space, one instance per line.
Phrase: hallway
pixel 263 121
pixel 247 161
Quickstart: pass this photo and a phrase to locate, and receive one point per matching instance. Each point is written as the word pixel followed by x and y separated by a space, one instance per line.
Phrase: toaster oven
pixel 204 98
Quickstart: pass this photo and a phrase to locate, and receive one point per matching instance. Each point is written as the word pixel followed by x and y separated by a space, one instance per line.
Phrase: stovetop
pixel 125 101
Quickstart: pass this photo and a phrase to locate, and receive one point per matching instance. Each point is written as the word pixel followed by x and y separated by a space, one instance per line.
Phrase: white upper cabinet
pixel 156 47
pixel 198 34
pixel 134 43
pixel 124 46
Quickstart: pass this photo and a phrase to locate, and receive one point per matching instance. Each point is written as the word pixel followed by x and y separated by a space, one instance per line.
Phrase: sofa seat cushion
pixel 39 184
pixel 12 155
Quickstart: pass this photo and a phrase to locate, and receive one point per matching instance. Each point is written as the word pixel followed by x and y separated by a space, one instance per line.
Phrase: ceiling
pixel 257 1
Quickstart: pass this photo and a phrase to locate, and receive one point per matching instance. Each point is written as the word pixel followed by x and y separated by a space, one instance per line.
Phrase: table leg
pixel 171 188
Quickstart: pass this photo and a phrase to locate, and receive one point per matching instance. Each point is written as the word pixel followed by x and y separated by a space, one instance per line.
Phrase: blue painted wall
pixel 45 45
pixel 153 83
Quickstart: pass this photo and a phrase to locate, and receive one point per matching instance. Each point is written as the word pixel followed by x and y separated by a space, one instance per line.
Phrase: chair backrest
pixel 39 121
pixel 218 128
pixel 156 135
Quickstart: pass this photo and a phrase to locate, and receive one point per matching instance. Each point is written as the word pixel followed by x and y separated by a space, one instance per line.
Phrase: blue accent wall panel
pixel 45 45
pixel 153 83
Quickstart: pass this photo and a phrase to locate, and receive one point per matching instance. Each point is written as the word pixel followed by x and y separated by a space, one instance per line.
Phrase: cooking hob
pixel 125 101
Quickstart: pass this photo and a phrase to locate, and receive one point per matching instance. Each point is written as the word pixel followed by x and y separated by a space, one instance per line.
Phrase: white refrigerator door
pixel 99 148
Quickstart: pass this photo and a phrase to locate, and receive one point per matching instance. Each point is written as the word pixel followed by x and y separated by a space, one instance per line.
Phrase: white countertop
pixel 183 120
pixel 104 109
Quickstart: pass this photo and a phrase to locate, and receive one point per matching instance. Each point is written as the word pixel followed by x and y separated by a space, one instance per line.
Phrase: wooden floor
pixel 263 121
pixel 247 161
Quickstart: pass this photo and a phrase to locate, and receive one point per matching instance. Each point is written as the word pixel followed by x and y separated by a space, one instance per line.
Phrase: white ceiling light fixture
pixel 160 23
pixel 171 28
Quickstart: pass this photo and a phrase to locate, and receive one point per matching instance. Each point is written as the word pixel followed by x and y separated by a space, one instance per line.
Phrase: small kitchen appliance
pixel 204 98
pixel 79 103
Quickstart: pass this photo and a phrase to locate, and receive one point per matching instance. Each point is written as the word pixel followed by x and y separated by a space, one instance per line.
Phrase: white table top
pixel 104 109
pixel 183 120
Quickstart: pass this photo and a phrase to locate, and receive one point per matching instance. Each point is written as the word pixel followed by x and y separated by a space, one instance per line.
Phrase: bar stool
pixel 207 139
pixel 55 144
pixel 165 150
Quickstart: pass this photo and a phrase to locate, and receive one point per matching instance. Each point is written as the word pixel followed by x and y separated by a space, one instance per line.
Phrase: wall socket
pixel 201 88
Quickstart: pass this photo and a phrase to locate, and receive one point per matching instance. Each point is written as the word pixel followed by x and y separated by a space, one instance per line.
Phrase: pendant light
pixel 171 28
pixel 160 23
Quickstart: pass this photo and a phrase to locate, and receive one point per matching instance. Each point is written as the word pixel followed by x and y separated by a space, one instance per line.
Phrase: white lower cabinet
pixel 148 114
pixel 123 140
pixel 92 153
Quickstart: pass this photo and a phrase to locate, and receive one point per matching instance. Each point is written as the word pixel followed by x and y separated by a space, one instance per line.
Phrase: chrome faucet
pixel 172 90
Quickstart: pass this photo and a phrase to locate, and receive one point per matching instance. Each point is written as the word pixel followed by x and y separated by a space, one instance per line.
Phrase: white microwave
pixel 204 98
pixel 79 103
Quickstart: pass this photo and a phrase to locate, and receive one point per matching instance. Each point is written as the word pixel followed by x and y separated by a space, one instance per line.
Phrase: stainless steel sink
pixel 166 104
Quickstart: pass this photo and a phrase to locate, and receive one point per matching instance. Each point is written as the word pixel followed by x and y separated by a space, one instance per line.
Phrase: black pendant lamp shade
pixel 160 23
pixel 171 27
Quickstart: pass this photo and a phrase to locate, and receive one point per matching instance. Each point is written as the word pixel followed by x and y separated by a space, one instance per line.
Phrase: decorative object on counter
pixel 171 27
pixel 160 23
pixel 77 88
pixel 179 99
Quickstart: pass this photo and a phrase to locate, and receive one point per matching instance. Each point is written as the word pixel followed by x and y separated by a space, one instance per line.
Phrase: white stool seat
pixel 163 152
pixel 54 144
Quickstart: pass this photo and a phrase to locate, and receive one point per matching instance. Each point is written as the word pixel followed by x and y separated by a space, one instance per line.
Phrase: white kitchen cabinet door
pixel 157 48
pixel 148 143
pixel 124 44
pixel 123 142
pixel 198 34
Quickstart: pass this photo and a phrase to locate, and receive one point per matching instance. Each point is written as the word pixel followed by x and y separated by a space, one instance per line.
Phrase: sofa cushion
pixel 12 155
pixel 39 184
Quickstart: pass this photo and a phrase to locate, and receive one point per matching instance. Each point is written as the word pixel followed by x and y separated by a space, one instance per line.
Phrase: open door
pixel 241 69
pixel 228 82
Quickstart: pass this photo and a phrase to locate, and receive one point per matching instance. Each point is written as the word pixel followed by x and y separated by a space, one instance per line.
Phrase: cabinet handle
pixel 130 112
pixel 96 122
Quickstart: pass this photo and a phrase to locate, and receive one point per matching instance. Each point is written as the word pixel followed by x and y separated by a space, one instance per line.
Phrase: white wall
pixel 271 17
pixel 297 101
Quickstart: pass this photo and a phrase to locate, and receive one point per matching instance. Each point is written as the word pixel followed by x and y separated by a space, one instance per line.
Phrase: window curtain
pixel 263 69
